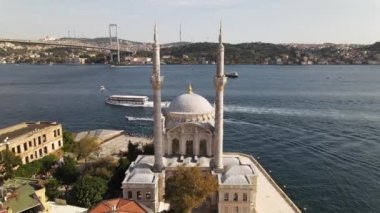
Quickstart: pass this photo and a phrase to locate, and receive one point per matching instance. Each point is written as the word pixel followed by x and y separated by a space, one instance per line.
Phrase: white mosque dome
pixel 190 104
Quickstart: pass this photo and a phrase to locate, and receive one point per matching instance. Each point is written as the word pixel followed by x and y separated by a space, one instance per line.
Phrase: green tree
pixel 68 172
pixel 103 168
pixel 188 187
pixel 47 162
pixel 148 149
pixel 68 141
pixel 10 160
pixel 89 190
pixel 133 151
pixel 85 147
pixel 114 185
pixel 52 186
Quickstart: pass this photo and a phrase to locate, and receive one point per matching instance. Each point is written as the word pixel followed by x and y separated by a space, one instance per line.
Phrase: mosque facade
pixel 189 132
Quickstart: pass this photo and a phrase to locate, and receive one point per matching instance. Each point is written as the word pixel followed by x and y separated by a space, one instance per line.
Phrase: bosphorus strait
pixel 315 129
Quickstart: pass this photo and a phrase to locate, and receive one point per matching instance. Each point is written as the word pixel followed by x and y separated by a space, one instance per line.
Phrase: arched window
pixel 175 147
pixel 225 196
pixel 236 196
pixel 147 195
pixel 130 194
pixel 138 195
pixel 189 148
pixel 203 148
pixel 245 197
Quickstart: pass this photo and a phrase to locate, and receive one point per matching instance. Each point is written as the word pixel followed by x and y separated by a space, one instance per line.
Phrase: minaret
pixel 220 81
pixel 157 81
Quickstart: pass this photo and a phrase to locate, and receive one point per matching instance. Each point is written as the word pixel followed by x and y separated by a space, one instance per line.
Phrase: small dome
pixel 190 104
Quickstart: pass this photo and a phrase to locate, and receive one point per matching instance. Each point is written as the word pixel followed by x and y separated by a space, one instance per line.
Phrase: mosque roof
pixel 190 103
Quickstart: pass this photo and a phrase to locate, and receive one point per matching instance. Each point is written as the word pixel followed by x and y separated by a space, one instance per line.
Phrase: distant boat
pixel 232 75
pixel 102 88
pixel 127 100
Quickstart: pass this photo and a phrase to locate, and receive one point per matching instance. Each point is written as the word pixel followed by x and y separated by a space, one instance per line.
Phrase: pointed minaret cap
pixel 190 89
pixel 220 33
pixel 155 37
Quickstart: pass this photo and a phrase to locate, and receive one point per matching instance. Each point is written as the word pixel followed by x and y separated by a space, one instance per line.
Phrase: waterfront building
pixel 189 132
pixel 31 141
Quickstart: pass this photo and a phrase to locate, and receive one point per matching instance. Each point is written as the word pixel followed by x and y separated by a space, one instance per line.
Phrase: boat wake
pixel 328 113
pixel 130 118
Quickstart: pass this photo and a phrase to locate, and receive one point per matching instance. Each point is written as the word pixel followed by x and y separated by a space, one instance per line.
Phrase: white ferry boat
pixel 127 100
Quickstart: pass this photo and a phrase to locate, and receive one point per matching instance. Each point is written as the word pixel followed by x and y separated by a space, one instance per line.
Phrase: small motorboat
pixel 232 75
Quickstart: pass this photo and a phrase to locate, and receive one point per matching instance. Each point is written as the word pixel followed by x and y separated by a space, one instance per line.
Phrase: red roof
pixel 118 205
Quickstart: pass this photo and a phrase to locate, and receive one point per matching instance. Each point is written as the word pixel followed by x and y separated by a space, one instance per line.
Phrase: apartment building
pixel 31 140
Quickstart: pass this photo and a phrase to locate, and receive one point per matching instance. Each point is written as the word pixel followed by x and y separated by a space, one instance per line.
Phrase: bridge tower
pixel 110 27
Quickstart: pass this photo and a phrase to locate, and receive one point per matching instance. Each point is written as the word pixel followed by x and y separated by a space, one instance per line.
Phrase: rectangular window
pixel 25 146
pixel 34 141
pixel 43 138
pixel 40 152
pixel 39 140
pixel 18 149
pixel 30 143
pixel 52 146
pixel 147 195
pixel 225 196
pixel 26 159
pixel 45 150
pixel 13 150
pixel 236 197
pixel 138 195
pixel 35 154
pixel 31 156
pixel 58 132
pixel 59 143
pixel 55 133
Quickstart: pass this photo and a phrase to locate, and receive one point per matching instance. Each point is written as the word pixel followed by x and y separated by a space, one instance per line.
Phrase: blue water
pixel 315 128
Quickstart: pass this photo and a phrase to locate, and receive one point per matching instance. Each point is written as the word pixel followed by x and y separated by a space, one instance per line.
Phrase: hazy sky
pixel 276 21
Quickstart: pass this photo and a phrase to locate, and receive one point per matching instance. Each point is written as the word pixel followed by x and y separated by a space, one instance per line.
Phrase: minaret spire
pixel 220 33
pixel 220 81
pixel 157 81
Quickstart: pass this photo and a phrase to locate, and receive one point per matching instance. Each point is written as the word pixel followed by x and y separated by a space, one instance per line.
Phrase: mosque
pixel 189 132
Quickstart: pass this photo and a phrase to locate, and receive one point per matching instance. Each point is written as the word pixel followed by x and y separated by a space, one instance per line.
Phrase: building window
pixel 175 147
pixel 147 195
pixel 58 132
pixel 40 152
pixel 59 143
pixel 203 148
pixel 45 150
pixel 18 149
pixel 138 195
pixel 225 196
pixel 30 143
pixel 13 150
pixel 39 140
pixel 26 159
pixel 31 156
pixel 55 133
pixel 236 196
pixel 130 194
pixel 43 138
pixel 35 154
pixel 189 148
pixel 34 141
pixel 52 146
pixel 245 197
pixel 25 146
